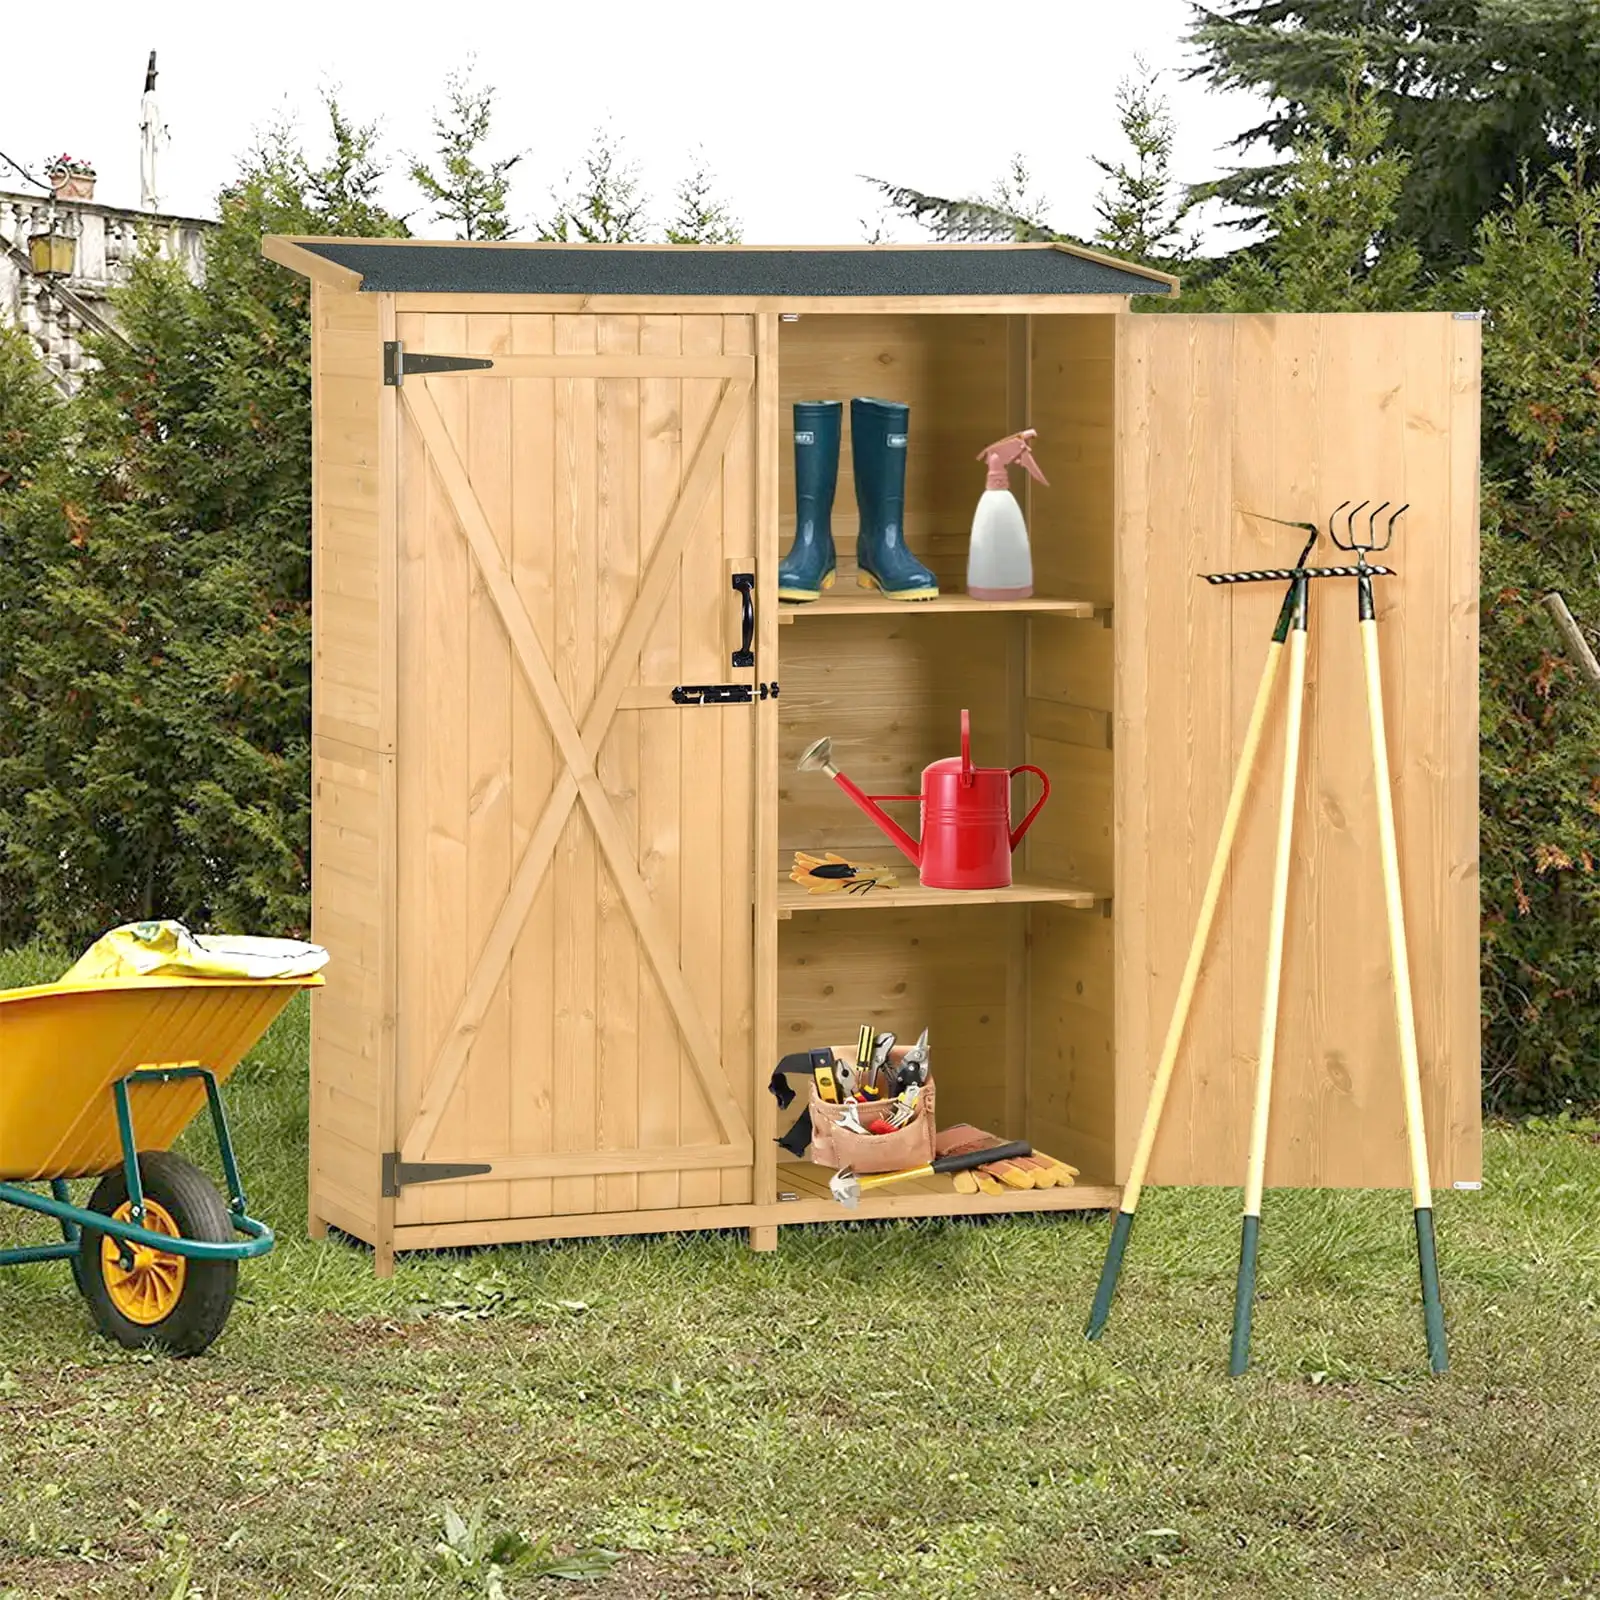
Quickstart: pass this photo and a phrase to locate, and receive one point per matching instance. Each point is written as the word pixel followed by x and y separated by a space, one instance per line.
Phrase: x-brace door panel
pixel 575 849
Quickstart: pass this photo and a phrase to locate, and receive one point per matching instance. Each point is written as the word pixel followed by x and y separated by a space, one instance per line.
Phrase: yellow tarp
pixel 169 950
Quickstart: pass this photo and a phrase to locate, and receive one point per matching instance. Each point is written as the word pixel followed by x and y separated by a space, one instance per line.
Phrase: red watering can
pixel 967 837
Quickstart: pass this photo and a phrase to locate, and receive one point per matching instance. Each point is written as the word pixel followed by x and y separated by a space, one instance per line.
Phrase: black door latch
pixel 722 694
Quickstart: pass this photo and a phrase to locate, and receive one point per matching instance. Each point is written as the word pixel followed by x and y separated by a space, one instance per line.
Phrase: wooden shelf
pixel 863 603
pixel 924 1197
pixel 1026 889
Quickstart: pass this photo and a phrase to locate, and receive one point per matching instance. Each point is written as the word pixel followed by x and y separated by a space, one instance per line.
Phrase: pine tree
pixel 1009 211
pixel 1475 92
pixel 154 683
pixel 33 430
pixel 876 228
pixel 605 205
pixel 1537 276
pixel 343 190
pixel 1141 206
pixel 466 190
pixel 1013 195
pixel 1336 199
pixel 700 217
pixel 32 419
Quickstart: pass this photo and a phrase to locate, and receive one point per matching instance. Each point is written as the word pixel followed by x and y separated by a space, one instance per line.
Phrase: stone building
pixel 55 315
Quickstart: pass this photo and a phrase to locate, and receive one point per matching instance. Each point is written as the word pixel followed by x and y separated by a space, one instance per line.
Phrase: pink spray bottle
pixel 999 562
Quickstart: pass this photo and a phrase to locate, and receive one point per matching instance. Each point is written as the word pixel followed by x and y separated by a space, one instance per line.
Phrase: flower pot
pixel 72 185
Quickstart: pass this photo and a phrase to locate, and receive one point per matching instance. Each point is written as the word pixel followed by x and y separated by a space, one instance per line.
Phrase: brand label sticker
pixel 897 441
pixel 805 438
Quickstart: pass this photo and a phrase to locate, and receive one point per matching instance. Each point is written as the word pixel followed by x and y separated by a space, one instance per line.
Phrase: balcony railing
pixel 109 240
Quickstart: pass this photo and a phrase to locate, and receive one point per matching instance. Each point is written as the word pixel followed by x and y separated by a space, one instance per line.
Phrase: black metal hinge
pixel 397 363
pixel 722 694
pixel 397 1173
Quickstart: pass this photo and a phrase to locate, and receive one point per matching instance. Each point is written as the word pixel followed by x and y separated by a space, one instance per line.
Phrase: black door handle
pixel 745 583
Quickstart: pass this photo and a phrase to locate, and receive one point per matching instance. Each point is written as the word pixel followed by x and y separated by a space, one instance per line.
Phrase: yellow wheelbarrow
pixel 96 1081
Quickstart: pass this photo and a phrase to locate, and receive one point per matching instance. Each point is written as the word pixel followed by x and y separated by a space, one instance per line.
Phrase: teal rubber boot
pixel 809 566
pixel 878 445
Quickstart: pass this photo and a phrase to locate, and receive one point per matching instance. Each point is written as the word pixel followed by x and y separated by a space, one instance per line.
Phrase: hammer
pixel 847 1187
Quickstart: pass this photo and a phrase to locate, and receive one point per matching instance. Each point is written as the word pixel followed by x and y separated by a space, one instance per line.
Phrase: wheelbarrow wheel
pixel 158 1299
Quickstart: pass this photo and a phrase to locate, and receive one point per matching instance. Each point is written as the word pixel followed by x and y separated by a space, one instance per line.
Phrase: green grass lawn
pixel 880 1409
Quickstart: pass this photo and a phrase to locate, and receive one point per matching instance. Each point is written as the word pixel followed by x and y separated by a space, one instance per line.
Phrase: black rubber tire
pixel 192 1201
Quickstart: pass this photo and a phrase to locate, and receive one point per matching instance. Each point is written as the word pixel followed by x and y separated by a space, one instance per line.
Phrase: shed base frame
pixel 808 1208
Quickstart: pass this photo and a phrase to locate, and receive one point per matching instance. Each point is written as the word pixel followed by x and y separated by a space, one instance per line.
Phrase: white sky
pixel 790 101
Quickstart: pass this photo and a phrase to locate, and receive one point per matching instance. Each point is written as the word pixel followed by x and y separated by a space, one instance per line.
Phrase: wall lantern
pixel 53 252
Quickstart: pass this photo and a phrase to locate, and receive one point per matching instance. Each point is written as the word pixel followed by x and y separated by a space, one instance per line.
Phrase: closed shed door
pixel 575 849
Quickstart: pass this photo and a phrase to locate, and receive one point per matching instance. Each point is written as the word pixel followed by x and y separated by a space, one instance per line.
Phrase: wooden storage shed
pixel 566 955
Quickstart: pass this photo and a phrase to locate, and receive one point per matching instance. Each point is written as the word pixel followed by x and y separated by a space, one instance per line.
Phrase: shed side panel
pixel 1068 705
pixel 347 382
pixel 349 764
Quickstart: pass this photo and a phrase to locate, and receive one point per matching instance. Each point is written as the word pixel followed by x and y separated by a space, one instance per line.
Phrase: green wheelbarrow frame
pixel 74 1219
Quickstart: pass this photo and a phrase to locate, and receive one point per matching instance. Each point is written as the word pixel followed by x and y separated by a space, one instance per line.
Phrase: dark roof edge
pixel 994 270
pixel 1083 253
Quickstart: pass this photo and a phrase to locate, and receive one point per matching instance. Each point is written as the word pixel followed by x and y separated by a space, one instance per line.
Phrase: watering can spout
pixel 818 757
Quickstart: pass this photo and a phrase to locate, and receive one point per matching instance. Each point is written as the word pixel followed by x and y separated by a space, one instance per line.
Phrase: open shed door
pixel 1223 421
pixel 575 844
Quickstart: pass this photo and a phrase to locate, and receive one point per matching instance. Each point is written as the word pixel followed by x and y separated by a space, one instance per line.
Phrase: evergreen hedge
pixel 154 575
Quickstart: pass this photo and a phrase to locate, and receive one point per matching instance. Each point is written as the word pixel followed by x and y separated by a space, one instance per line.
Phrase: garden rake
pixel 1399 958
pixel 1291 626
pixel 1167 1061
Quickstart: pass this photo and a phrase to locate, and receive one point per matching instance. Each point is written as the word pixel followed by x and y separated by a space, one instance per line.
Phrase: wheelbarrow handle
pixel 258 1238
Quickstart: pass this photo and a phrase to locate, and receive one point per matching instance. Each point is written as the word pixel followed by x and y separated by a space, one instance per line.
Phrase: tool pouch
pixel 834 1146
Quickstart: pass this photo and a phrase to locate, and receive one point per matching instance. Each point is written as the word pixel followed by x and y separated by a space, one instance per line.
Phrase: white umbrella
pixel 152 139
